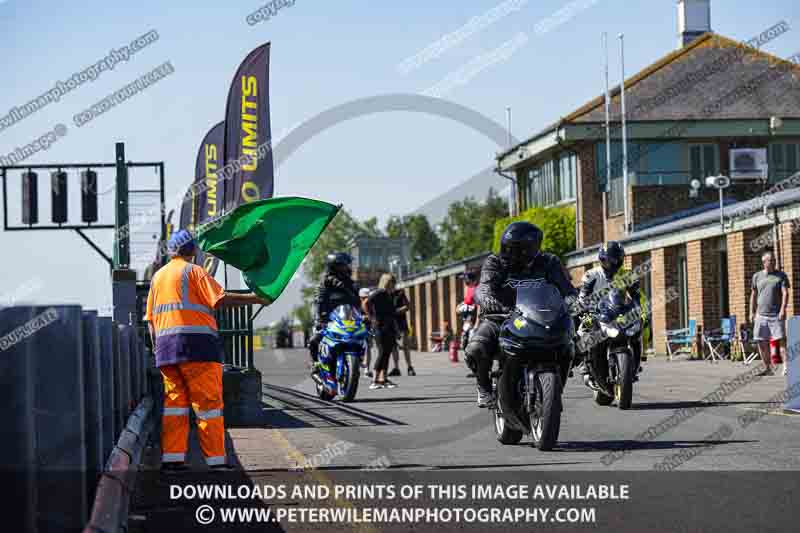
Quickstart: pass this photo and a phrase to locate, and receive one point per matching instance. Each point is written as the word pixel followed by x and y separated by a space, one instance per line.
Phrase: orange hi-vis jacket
pixel 180 306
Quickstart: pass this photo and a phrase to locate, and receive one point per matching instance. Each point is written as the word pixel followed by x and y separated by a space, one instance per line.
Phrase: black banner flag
pixel 207 193
pixel 248 150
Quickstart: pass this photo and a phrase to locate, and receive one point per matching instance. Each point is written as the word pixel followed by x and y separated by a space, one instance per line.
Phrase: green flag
pixel 267 240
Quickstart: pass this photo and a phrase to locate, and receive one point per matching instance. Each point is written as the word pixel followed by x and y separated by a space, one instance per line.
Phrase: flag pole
pixel 608 116
pixel 624 137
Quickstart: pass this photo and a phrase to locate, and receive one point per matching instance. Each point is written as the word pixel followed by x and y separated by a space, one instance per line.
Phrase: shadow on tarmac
pixel 625 445
pixel 671 406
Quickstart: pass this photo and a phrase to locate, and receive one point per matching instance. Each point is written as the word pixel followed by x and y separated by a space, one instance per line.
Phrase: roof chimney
pixel 694 19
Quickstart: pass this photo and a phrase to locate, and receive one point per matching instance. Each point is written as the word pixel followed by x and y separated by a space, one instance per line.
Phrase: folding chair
pixel 684 338
pixel 717 340
pixel 748 347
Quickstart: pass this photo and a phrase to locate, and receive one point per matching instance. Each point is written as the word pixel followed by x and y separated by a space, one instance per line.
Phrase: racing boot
pixel 485 398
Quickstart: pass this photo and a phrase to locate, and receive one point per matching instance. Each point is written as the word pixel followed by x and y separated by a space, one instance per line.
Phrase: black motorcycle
pixel 616 322
pixel 536 354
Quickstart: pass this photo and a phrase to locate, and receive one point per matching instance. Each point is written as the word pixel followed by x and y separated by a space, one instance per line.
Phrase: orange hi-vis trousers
pixel 199 385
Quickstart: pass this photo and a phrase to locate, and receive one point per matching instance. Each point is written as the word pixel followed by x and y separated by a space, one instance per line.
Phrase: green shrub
pixel 557 223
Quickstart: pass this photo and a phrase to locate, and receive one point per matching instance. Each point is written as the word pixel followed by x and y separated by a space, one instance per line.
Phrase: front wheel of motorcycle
pixel 545 410
pixel 624 388
pixel 352 375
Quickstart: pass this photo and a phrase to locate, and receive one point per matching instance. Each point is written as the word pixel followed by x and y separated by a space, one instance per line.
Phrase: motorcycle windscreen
pixel 347 313
pixel 614 304
pixel 540 301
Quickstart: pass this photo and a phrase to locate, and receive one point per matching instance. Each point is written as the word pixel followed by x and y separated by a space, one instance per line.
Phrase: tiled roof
pixel 702 73
pixel 686 82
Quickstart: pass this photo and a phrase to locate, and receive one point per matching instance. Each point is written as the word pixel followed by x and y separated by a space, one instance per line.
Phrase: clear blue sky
pixel 323 54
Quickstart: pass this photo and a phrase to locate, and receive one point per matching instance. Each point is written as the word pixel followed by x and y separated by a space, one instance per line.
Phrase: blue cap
pixel 181 243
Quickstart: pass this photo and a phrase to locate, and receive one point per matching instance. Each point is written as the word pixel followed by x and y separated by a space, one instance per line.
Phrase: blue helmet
pixel 181 243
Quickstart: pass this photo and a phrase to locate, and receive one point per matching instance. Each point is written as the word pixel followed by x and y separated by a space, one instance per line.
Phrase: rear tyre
pixel 624 389
pixel 546 410
pixel 352 374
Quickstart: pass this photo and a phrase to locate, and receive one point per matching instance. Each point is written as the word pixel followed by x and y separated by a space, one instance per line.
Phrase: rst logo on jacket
pixel 526 283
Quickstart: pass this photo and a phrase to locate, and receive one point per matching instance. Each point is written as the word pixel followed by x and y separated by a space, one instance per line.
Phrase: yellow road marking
pixel 280 440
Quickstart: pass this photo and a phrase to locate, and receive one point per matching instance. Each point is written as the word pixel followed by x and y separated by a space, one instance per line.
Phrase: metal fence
pixel 68 381
pixel 236 329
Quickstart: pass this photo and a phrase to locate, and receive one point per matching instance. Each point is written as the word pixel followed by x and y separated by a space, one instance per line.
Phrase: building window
pixel 784 160
pixel 660 163
pixel 601 168
pixel 616 197
pixel 703 160
pixel 567 174
pixel 543 185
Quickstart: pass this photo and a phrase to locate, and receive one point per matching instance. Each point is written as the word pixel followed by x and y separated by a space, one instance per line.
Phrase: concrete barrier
pixel 241 393
pixel 17 454
pixel 107 390
pixel 110 510
pixel 65 378
pixel 123 374
pixel 92 393
pixel 60 420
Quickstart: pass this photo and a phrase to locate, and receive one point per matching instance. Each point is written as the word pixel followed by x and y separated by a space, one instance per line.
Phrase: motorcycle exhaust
pixel 317 379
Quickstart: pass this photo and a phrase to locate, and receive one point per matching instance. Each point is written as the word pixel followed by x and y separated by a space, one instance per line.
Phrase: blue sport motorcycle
pixel 343 344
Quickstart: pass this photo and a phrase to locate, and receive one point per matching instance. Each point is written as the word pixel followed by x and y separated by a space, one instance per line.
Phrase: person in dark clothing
pixel 402 306
pixel 337 288
pixel 364 295
pixel 596 284
pixel 520 257
pixel 382 313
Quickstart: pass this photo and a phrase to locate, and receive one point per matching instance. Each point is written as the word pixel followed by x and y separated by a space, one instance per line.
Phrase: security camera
pixel 718 182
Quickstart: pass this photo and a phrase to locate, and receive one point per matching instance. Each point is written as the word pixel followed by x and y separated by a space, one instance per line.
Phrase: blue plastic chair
pixel 717 340
pixel 684 338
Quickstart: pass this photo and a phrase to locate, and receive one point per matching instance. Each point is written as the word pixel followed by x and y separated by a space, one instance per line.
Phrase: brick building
pixel 712 107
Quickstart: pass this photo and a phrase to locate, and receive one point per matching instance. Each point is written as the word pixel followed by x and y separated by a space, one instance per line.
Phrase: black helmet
pixel 520 244
pixel 339 262
pixel 611 257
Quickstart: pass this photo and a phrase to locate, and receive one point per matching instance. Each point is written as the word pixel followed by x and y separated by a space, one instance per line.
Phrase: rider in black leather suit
pixel 337 288
pixel 520 257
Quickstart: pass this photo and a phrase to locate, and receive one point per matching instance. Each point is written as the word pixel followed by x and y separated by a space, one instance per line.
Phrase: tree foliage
pixel 557 223
pixel 303 315
pixel 337 237
pixel 468 229
pixel 425 243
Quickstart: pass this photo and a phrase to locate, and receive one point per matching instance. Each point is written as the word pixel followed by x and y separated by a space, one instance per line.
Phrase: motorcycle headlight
pixel 611 331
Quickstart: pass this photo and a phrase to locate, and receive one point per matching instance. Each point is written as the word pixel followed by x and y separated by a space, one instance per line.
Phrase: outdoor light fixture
pixel 695 188
pixel 718 182
pixel 721 183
